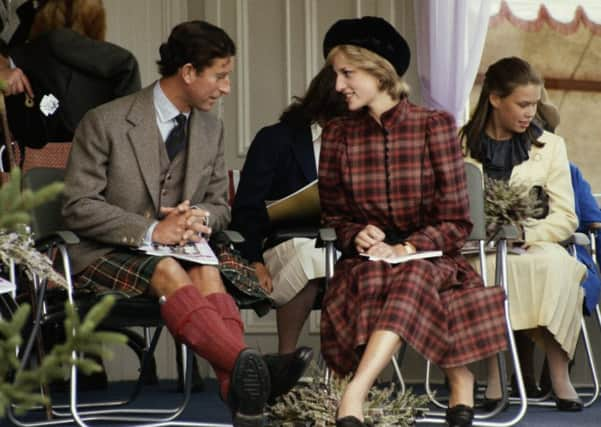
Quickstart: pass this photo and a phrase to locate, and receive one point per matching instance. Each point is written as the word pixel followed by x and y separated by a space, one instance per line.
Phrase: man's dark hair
pixel 194 42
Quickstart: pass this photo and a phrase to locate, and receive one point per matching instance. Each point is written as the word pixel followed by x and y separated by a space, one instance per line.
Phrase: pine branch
pixel 81 337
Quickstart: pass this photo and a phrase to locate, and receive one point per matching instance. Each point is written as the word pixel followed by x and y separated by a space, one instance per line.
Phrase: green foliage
pixel 15 204
pixel 507 204
pixel 81 336
pixel 317 402
pixel 21 387
pixel 15 240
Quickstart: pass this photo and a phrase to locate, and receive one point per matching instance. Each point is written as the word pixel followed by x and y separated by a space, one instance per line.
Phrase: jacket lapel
pixel 143 136
pixel 302 147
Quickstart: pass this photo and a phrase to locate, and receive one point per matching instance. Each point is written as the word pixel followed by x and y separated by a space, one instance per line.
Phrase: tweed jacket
pixel 113 182
pixel 280 160
pixel 548 167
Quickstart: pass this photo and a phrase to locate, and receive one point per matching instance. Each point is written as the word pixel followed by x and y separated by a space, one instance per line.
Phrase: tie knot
pixel 180 119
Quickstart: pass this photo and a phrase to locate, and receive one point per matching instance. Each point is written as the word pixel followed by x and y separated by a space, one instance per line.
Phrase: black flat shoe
pixel 460 416
pixel 490 404
pixel 533 391
pixel 569 405
pixel 286 369
pixel 349 421
pixel 250 385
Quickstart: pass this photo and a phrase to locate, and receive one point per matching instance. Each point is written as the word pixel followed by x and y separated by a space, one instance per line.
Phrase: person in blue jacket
pixel 588 212
pixel 281 159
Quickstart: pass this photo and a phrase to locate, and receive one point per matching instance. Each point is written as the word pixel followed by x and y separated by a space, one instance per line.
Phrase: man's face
pixel 210 84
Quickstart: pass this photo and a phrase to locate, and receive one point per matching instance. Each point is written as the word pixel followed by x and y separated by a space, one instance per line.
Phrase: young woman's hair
pixel 375 65
pixel 320 103
pixel 500 79
pixel 86 17
pixel 196 42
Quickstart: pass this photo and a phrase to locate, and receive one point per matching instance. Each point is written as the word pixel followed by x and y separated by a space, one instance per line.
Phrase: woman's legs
pixel 558 368
pixel 382 345
pixel 292 315
pixel 461 381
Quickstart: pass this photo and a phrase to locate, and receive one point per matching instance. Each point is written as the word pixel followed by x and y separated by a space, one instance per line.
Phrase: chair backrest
pixel 47 218
pixel 475 190
pixel 52 155
pixel 233 181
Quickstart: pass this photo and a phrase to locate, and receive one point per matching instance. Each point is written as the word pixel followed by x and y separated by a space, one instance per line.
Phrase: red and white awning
pixel 564 16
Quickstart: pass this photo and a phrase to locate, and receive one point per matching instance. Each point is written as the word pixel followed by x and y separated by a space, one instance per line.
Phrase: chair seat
pixel 147 310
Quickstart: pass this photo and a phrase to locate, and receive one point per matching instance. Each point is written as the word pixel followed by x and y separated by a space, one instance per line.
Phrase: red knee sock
pixel 195 321
pixel 226 306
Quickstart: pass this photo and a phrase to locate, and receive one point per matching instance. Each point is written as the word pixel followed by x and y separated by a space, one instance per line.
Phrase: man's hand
pixel 15 82
pixel 182 222
pixel 263 276
pixel 368 237
pixel 170 230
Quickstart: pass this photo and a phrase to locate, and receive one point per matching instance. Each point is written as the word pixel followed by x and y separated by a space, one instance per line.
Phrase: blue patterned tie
pixel 176 140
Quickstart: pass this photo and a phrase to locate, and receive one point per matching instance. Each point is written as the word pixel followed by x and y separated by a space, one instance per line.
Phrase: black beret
pixel 372 33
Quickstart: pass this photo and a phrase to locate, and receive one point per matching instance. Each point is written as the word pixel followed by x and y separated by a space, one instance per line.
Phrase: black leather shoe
pixel 349 421
pixel 490 404
pixel 532 390
pixel 460 416
pixel 569 405
pixel 250 385
pixel 286 370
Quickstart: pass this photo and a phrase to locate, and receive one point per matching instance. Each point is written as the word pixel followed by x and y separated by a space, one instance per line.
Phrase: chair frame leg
pixel 81 418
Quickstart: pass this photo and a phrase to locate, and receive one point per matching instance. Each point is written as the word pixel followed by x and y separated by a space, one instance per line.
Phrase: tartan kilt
pixel 438 306
pixel 128 272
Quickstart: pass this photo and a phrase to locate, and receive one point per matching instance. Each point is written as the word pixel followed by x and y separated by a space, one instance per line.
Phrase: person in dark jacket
pixel 282 159
pixel 71 69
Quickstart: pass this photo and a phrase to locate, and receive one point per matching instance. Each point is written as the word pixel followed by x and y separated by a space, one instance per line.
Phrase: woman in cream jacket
pixel 545 297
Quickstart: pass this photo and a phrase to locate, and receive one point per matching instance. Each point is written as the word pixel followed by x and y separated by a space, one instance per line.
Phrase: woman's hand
pixel 263 276
pixel 384 250
pixel 368 237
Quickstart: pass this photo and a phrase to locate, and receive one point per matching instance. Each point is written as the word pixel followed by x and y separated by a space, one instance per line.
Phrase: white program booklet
pixel 405 258
pixel 200 253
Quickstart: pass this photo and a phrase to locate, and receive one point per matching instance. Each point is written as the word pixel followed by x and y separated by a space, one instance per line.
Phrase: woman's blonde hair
pixel 375 65
pixel 86 17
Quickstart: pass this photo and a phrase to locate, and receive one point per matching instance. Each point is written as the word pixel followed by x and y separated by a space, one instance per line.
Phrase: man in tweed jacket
pixel 125 186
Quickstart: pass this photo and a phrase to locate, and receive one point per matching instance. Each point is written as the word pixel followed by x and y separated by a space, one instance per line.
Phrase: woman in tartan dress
pixel 391 182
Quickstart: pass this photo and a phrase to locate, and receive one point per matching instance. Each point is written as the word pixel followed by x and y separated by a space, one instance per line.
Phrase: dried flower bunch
pixel 314 403
pixel 507 203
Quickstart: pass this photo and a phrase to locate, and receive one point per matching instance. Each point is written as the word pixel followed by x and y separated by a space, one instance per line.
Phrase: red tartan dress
pixel 408 178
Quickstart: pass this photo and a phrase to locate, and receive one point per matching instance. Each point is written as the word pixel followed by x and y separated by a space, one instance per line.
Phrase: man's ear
pixel 188 73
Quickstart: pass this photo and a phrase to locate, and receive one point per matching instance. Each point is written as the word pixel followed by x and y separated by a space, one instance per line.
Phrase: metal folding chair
pixel 478 235
pixel 46 226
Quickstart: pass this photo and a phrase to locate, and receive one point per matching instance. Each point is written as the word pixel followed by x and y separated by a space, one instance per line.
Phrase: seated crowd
pixel 148 168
